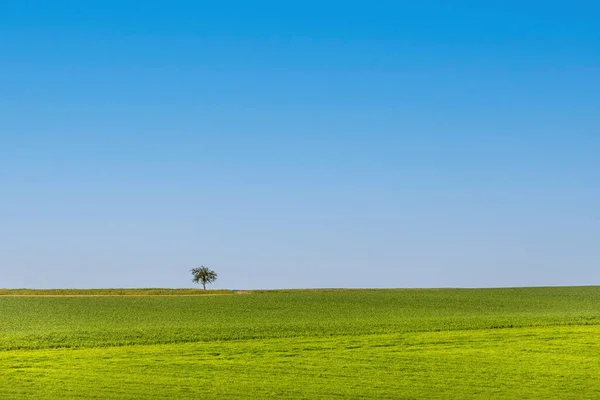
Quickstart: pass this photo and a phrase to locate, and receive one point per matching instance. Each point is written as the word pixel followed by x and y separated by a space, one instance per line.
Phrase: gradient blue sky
pixel 299 144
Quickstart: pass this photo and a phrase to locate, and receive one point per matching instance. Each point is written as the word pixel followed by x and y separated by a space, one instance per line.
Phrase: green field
pixel 110 292
pixel 398 344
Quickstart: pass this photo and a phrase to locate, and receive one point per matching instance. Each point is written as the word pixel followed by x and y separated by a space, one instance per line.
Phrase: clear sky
pixel 299 144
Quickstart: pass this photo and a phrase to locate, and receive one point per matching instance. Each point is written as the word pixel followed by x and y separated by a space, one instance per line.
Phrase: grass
pixel 111 292
pixel 447 343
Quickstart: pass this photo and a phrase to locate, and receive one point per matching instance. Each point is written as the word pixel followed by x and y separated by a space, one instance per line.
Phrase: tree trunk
pixel 204 286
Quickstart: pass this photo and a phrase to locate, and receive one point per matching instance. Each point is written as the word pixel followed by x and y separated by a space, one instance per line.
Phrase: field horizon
pixel 535 342
pixel 195 290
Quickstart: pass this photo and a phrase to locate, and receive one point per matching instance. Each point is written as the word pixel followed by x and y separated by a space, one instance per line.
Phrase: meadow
pixel 398 344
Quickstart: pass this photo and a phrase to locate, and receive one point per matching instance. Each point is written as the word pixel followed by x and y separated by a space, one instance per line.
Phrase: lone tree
pixel 203 275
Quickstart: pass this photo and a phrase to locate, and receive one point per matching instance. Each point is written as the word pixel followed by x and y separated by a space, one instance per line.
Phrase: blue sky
pixel 308 144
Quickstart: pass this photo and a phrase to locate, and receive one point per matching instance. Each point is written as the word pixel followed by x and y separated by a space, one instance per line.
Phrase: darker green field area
pixel 447 343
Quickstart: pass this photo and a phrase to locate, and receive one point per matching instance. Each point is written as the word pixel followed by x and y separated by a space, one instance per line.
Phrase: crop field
pixel 522 343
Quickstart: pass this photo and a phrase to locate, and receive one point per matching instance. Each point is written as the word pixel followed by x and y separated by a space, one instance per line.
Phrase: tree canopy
pixel 203 275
